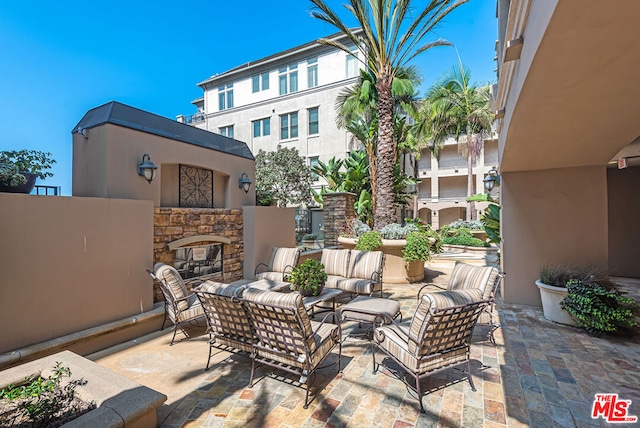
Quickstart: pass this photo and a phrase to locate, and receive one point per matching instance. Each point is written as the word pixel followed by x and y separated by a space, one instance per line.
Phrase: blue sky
pixel 60 59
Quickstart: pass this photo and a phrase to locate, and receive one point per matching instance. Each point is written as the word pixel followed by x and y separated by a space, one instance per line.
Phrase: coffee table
pixel 328 294
pixel 264 284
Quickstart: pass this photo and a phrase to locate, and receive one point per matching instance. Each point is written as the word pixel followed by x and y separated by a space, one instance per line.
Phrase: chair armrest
pixel 324 319
pixel 391 324
pixel 255 271
pixel 155 278
pixel 430 284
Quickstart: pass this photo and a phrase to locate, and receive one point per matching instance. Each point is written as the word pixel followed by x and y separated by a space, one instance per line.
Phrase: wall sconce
pixel 146 168
pixel 244 182
pixel 491 180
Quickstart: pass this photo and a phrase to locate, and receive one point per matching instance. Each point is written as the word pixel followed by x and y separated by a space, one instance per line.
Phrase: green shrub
pixel 418 247
pixel 44 400
pixel 598 309
pixel 308 275
pixel 398 231
pixel 471 225
pixel 369 241
pixel 469 241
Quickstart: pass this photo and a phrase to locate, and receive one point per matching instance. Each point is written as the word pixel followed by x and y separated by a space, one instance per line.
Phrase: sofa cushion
pixel 363 264
pixel 281 258
pixel 174 283
pixel 336 262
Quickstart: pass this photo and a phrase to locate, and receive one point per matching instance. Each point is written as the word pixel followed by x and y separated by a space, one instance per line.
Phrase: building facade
pixel 286 99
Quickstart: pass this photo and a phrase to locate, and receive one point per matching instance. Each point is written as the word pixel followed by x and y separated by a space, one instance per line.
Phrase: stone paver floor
pixel 540 374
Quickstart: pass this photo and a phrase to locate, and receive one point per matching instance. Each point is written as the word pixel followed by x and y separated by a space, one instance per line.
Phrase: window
pixel 352 63
pixel 289 126
pixel 260 82
pixel 312 73
pixel 288 79
pixel 261 127
pixel 313 120
pixel 227 131
pixel 313 162
pixel 225 97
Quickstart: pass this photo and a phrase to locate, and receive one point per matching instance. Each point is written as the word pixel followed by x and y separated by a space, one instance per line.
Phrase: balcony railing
pixel 46 190
pixel 195 118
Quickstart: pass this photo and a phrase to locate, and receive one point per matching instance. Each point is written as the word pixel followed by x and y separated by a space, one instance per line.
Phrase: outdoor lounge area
pixel 538 374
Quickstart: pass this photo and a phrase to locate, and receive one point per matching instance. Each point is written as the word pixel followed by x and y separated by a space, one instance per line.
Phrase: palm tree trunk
pixel 384 211
pixel 470 205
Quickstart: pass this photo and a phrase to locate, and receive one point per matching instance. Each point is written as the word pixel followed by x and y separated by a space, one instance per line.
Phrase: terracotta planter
pixel 396 270
pixel 551 297
pixel 22 188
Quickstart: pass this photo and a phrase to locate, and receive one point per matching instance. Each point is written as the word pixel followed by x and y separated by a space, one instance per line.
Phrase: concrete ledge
pixel 90 340
pixel 121 402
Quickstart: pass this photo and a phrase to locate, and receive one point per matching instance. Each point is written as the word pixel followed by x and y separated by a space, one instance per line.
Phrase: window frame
pixel 287 75
pixel 225 97
pixel 312 72
pixel 226 130
pixel 261 127
pixel 289 126
pixel 317 121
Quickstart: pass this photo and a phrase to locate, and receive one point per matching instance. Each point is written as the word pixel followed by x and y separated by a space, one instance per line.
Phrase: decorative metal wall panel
pixel 196 187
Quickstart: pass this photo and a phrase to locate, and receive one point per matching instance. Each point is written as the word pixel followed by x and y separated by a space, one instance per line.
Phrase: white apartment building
pixel 285 99
pixel 442 192
pixel 289 99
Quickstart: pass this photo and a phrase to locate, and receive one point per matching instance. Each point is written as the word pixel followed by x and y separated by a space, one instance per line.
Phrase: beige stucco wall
pixel 105 165
pixel 624 233
pixel 551 217
pixel 71 263
pixel 265 228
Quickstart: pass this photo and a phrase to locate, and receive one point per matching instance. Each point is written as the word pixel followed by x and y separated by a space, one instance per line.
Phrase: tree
pixel 390 38
pixel 284 176
pixel 455 107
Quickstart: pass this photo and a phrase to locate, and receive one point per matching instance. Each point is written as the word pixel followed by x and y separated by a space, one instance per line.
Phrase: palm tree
pixel 455 107
pixel 389 39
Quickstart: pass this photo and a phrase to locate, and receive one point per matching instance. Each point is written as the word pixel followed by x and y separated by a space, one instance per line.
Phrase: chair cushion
pixel 221 289
pixel 364 264
pixel 334 281
pixel 438 300
pixel 173 281
pixel 281 258
pixel 466 276
pixel 286 300
pixel 193 309
pixel 273 276
pixel 360 286
pixel 336 262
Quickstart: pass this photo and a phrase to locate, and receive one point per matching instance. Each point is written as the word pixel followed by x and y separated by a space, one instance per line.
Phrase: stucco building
pixel 285 99
pixel 567 103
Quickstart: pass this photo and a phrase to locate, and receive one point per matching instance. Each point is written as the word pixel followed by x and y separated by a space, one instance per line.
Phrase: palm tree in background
pixel 392 33
pixel 455 107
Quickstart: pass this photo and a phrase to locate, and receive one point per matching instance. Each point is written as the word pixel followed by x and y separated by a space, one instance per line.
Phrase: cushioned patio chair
pixel 227 322
pixel 286 338
pixel 281 262
pixel 439 336
pixel 181 306
pixel 486 278
pixel 353 271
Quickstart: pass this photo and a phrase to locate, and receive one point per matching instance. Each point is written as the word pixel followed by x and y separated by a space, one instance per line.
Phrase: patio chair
pixel 227 322
pixel 439 336
pixel 486 278
pixel 286 338
pixel 280 264
pixel 181 306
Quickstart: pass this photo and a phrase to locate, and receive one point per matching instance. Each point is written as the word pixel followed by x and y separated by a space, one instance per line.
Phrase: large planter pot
pixel 396 270
pixel 489 254
pixel 27 187
pixel 551 297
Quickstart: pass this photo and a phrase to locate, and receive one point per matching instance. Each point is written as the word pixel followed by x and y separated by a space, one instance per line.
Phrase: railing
pixel 46 190
pixel 195 118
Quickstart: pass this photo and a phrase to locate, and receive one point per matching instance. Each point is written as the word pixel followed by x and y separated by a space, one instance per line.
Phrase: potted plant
pixel 584 297
pixel 19 169
pixel 309 241
pixel 308 278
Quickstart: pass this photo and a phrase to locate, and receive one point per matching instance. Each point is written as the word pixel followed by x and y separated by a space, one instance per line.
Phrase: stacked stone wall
pixel 171 224
pixel 338 212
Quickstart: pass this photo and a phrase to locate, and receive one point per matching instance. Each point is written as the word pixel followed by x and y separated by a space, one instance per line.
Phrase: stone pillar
pixel 338 212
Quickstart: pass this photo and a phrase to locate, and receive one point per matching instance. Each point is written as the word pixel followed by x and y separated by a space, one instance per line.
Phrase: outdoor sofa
pixel 353 271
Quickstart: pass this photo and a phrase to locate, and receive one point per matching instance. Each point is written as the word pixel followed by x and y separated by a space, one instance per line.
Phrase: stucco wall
pixel 551 217
pixel 624 233
pixel 105 165
pixel 265 228
pixel 71 263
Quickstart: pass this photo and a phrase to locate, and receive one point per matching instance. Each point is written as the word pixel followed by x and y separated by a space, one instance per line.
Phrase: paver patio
pixel 540 374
